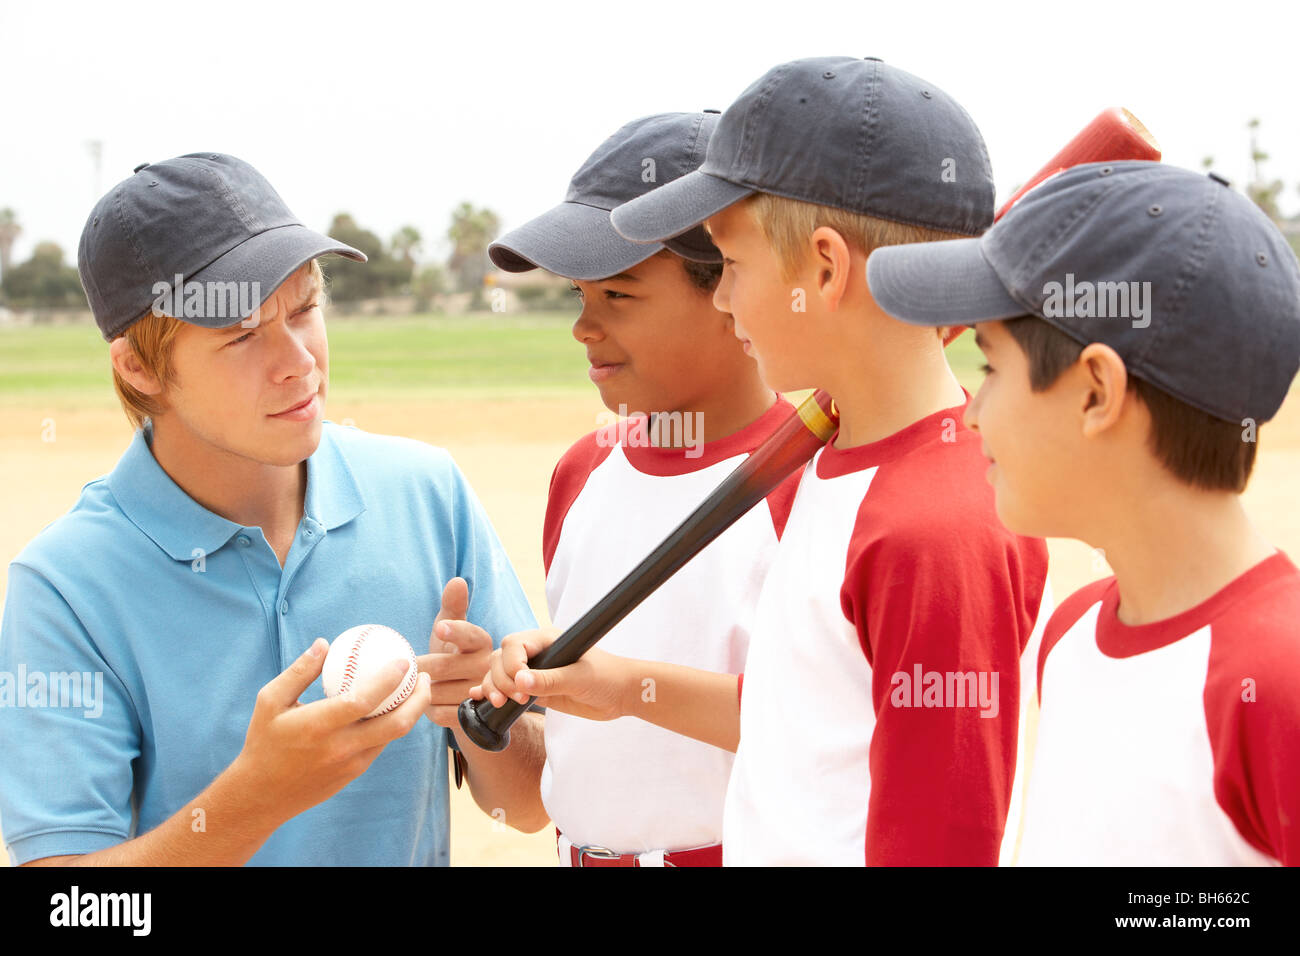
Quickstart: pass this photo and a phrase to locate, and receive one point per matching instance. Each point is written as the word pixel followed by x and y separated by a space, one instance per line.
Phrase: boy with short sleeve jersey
pixel 1139 322
pixel 690 406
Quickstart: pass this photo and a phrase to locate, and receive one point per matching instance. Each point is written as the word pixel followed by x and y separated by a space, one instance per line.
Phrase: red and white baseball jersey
pixel 626 784
pixel 1175 743
pixel 880 715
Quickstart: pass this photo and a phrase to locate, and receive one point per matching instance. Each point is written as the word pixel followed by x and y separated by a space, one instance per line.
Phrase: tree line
pixel 48 281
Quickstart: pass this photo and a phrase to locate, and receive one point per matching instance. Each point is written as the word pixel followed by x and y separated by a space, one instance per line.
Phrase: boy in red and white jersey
pixel 690 406
pixel 881 696
pixel 1140 322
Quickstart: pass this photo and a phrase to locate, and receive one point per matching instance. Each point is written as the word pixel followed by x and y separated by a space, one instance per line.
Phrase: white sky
pixel 396 112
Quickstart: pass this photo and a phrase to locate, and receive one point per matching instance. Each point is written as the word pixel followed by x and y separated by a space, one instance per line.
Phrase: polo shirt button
pixel 310 532
pixel 243 541
pixel 284 607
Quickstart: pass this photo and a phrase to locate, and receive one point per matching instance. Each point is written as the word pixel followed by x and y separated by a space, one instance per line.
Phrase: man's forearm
pixel 507 785
pixel 219 827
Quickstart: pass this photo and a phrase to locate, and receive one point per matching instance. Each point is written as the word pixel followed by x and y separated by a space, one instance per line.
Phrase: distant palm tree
pixel 9 231
pixel 406 243
pixel 471 232
pixel 1262 192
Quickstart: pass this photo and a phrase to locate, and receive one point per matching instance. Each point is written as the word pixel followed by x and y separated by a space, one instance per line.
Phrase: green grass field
pixel 370 358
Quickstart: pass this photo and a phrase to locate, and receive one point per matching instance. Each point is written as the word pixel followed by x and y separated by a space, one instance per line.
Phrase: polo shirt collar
pixel 182 527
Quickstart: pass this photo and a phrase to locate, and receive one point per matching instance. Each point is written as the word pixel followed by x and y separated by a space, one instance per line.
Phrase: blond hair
pixel 787 224
pixel 152 338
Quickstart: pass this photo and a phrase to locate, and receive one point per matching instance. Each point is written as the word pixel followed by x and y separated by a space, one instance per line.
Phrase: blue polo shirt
pixel 139 626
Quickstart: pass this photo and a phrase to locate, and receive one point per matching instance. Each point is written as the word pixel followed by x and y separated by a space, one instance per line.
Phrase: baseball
pixel 360 652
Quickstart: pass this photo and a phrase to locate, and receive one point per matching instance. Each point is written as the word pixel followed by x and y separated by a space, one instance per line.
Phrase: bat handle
pixel 488 726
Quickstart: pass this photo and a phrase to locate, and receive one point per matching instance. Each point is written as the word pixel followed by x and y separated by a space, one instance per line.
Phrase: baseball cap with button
pixel 1187 280
pixel 854 134
pixel 575 239
pixel 206 217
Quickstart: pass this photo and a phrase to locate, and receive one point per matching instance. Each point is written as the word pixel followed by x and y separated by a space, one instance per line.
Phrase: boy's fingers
pixel 286 687
pixel 490 689
pixel 518 649
pixel 555 682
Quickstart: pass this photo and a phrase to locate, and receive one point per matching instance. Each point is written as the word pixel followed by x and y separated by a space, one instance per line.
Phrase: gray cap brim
pixel 675 207
pixel 571 240
pixel 267 258
pixel 939 283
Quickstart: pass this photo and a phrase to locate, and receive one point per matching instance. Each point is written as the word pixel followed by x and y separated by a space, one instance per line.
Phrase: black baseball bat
pixel 1115 134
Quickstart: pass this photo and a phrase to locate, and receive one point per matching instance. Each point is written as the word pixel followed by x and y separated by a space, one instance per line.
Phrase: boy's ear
pixel 1105 388
pixel 127 364
pixel 832 261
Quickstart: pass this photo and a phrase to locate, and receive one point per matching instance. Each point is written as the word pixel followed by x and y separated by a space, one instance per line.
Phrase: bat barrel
pixel 1115 134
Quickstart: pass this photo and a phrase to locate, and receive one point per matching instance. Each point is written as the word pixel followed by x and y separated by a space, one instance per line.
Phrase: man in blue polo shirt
pixel 167 629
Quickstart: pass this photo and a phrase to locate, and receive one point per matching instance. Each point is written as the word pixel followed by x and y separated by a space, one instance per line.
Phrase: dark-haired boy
pixel 629 793
pixel 881 694
pixel 1140 322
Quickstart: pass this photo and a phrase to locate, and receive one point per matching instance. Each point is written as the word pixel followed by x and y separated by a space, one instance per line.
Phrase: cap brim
pixel 939 283
pixel 267 259
pixel 571 240
pixel 675 207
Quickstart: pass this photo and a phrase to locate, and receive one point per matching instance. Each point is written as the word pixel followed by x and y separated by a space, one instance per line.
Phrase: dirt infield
pixel 507 449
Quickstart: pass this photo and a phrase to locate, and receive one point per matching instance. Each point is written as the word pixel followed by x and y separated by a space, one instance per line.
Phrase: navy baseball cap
pixel 853 134
pixel 206 217
pixel 575 239
pixel 1187 280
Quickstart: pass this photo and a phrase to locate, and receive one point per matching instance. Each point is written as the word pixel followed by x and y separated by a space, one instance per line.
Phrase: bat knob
pixel 473 716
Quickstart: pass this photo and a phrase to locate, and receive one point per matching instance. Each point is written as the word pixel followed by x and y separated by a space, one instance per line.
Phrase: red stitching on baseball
pixel 404 691
pixel 352 662
pixel 352 666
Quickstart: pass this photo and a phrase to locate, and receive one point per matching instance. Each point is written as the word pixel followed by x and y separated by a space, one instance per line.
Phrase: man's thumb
pixel 455 601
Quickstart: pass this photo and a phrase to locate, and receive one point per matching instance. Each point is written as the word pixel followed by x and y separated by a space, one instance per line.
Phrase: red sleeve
pixel 567 481
pixel 1252 714
pixel 944 589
